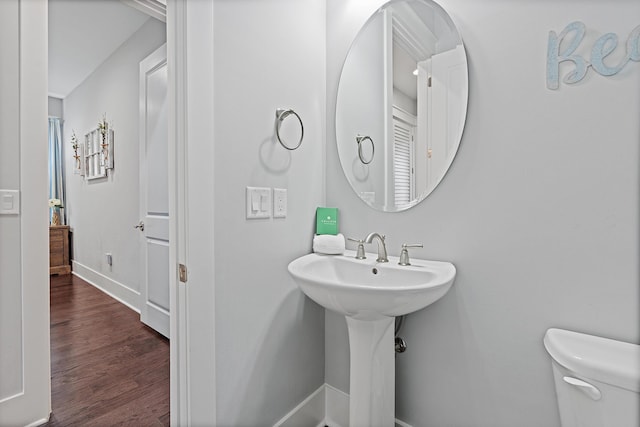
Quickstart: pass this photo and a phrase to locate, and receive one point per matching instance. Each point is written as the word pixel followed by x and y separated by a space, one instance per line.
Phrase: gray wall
pixel 539 213
pixel 269 338
pixel 55 107
pixel 102 213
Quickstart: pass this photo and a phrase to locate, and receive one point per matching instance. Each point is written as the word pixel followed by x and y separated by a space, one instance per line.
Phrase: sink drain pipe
pixel 400 344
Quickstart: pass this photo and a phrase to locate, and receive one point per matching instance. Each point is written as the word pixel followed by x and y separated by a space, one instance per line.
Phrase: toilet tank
pixel 597 379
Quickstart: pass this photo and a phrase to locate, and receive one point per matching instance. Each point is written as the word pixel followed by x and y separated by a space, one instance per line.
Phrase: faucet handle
pixel 360 251
pixel 404 253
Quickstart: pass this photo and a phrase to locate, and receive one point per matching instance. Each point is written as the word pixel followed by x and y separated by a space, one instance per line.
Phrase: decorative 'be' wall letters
pixel 601 49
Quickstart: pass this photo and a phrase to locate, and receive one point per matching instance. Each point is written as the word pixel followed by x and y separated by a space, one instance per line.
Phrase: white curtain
pixel 56 170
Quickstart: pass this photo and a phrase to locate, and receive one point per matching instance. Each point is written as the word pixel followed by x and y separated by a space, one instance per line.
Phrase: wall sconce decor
pixel 78 163
pixel 98 150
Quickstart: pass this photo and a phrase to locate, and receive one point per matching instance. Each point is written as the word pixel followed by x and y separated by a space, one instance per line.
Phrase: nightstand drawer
pixel 59 262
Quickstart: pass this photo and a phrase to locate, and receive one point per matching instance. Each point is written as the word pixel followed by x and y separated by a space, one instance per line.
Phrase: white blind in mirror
pixel 403 162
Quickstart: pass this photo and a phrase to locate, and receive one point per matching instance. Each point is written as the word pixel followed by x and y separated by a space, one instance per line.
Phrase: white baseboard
pixel 38 423
pixel 310 412
pixel 337 407
pixel 328 405
pixel 114 289
pixel 401 423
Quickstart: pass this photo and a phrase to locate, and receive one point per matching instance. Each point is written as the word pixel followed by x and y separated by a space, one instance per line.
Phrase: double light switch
pixel 258 202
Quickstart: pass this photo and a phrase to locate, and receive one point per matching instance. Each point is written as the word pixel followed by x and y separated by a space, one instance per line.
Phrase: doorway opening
pixel 95 82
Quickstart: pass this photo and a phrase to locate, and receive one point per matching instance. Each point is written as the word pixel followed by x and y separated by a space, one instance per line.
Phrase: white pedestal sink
pixel 371 295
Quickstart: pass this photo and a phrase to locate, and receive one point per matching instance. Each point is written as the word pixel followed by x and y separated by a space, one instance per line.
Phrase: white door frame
pixel 178 328
pixel 191 179
pixel 176 65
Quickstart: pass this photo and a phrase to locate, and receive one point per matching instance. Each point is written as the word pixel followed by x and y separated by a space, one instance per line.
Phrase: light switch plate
pixel 9 202
pixel 258 203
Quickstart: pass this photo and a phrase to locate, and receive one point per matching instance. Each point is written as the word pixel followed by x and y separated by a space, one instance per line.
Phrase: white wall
pixel 55 107
pixel 102 212
pixel 24 287
pixel 269 337
pixel 364 77
pixel 539 213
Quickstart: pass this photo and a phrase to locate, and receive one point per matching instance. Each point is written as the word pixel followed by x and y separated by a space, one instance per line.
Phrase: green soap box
pixel 327 221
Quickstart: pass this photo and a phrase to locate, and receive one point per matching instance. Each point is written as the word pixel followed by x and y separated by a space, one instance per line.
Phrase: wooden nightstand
pixel 59 250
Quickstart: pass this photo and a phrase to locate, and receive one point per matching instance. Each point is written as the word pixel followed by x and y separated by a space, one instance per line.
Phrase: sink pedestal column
pixel 372 378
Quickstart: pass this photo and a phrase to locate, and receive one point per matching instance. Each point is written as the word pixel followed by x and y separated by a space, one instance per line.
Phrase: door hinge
pixel 429 82
pixel 182 273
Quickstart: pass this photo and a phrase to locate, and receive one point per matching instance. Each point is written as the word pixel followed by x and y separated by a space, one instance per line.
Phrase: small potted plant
pixel 55 205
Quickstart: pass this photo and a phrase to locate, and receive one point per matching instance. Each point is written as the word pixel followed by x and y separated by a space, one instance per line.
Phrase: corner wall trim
pixel 310 412
pixel 327 406
pixel 114 289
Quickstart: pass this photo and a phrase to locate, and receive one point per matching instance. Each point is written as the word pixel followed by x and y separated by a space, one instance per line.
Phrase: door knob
pixel 140 226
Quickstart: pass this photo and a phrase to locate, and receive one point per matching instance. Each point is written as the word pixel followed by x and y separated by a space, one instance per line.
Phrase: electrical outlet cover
pixel 279 202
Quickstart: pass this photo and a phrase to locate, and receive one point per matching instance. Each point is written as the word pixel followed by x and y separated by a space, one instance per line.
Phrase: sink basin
pixel 368 290
pixel 371 294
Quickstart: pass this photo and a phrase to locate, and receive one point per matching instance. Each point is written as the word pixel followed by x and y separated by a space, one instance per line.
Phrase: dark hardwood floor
pixel 107 368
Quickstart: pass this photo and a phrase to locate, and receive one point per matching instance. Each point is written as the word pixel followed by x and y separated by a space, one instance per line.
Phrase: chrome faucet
pixel 382 249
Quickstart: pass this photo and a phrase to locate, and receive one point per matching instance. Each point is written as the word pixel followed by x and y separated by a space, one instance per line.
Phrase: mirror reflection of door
pixel 448 77
pixel 411 42
pixel 428 94
pixel 154 193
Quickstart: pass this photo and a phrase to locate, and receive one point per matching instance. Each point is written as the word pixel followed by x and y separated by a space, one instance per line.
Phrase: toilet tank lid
pixel 601 359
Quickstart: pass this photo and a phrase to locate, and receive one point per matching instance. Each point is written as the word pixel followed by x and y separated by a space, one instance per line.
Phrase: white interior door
pixel 154 194
pixel 448 103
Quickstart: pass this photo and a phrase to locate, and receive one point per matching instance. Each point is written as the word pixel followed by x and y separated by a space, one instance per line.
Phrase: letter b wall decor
pixel 603 47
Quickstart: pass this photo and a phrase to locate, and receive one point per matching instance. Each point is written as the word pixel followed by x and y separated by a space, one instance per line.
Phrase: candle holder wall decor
pixel 78 163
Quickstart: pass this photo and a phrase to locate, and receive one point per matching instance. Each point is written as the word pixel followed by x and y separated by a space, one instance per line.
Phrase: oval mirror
pixel 401 104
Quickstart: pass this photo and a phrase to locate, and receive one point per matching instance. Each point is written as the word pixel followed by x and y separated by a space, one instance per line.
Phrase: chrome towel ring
pixel 360 139
pixel 282 114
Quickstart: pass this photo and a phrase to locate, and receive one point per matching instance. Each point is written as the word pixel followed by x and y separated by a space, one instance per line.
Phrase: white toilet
pixel 597 379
